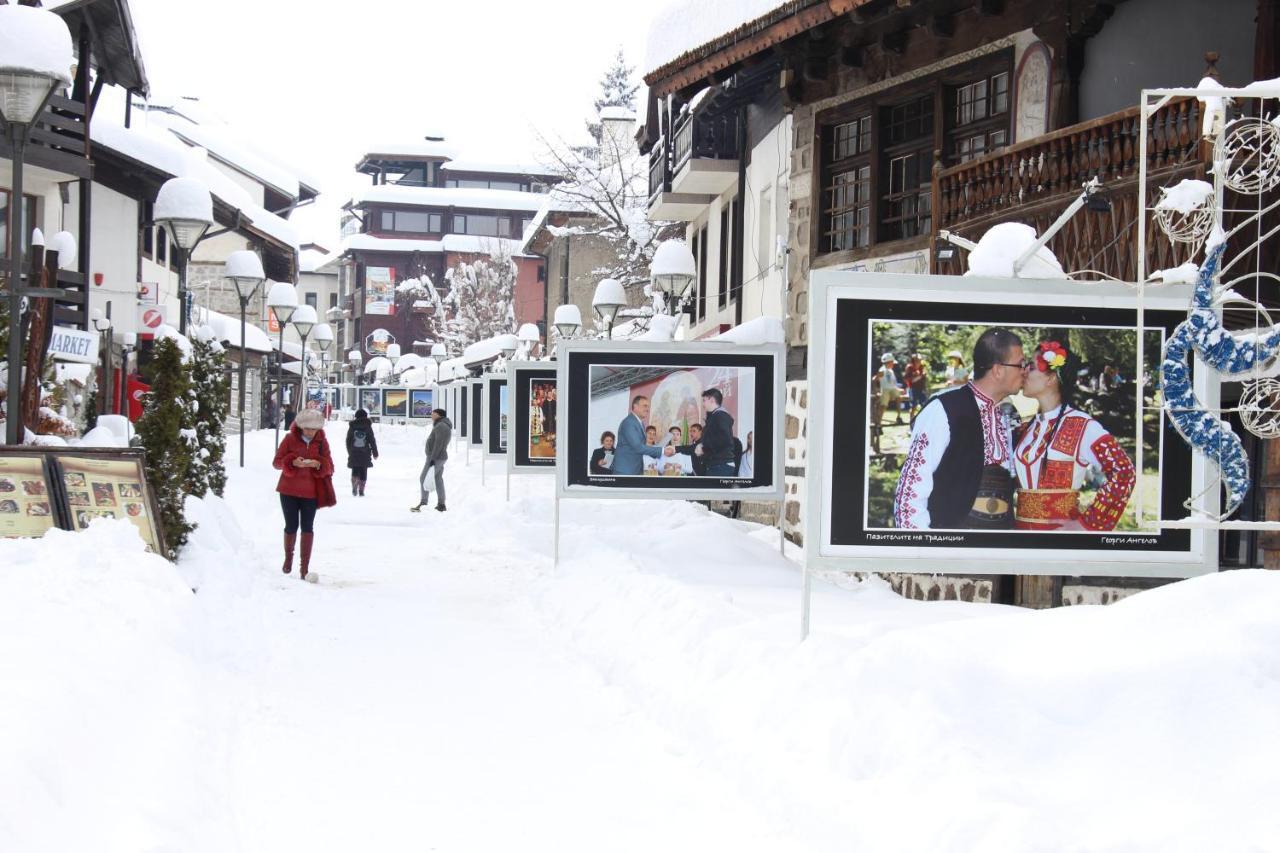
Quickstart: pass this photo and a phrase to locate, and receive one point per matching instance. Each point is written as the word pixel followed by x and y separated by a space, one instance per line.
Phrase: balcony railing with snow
pixel 1032 181
pixel 659 171
pixel 701 138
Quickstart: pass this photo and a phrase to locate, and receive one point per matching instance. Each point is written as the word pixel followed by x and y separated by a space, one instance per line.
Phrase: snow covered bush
pixel 167 415
pixel 481 299
pixel 212 387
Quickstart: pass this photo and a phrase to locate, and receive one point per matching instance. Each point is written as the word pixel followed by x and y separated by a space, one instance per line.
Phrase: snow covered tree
pixel 481 298
pixel 420 302
pixel 164 432
pixel 212 388
pixel 616 90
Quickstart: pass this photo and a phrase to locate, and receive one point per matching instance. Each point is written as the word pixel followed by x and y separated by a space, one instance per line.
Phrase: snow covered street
pixel 444 688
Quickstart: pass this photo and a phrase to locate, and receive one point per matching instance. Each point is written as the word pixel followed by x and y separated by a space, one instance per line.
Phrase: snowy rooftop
pixel 498 168
pixel 683 26
pixel 310 260
pixel 471 199
pixel 159 149
pixel 220 143
pixel 617 114
pixel 421 148
pixel 461 243
pixel 227 330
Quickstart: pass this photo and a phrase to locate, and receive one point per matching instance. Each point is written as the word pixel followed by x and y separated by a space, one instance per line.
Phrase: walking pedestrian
pixel 289 415
pixel 306 483
pixel 437 454
pixel 362 449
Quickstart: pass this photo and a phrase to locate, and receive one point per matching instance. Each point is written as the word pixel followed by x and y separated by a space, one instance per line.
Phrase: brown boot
pixel 289 539
pixel 306 555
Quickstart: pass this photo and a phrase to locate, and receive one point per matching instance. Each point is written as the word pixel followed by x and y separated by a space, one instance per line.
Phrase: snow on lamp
pixel 304 320
pixel 323 334
pixel 185 208
pixel 608 300
pixel 673 269
pixel 508 344
pixel 244 269
pixel 439 353
pixel 282 299
pixel 568 320
pixel 35 56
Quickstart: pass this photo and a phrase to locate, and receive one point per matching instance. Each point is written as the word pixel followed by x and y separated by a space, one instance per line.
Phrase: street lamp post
pixel 324 340
pixel 184 208
pixel 355 359
pixel 244 269
pixel 102 325
pixel 37 58
pixel 304 320
pixel 282 299
pixel 568 320
pixel 438 354
pixel 128 343
pixel 608 300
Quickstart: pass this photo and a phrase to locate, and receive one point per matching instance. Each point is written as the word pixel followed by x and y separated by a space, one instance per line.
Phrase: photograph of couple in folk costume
pixel 1038 435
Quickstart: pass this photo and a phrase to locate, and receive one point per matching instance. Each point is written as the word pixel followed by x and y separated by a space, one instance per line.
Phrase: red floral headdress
pixel 1050 356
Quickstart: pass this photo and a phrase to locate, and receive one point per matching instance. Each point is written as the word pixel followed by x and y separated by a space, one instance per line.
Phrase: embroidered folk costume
pixel 959 469
pixel 1055 452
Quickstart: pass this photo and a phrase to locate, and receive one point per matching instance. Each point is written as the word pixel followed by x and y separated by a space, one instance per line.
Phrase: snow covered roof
pixel 470 199
pixel 467 244
pixel 221 144
pixel 474 245
pixel 313 261
pixel 499 168
pixel 425 148
pixel 227 329
pixel 162 151
pixel 761 330
pixel 617 114
pixel 685 28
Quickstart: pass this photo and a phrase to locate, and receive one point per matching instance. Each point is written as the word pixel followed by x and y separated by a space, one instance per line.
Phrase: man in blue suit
pixel 628 456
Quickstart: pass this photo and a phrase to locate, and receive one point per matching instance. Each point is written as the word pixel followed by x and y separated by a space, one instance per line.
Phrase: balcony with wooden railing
pixel 57 140
pixel 1032 181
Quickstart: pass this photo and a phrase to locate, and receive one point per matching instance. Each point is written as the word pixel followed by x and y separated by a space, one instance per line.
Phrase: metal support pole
pixel 805 591
pixel 279 383
pixel 301 402
pixel 782 527
pixel 244 306
pixel 508 484
pixel 13 418
pixel 183 309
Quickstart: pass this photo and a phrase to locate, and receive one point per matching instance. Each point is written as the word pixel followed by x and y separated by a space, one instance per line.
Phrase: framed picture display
pixel 475 388
pixel 534 416
pixel 683 420
pixel 395 402
pixel 370 399
pixel 109 484
pixel 495 395
pixel 989 426
pixel 421 402
pixel 462 401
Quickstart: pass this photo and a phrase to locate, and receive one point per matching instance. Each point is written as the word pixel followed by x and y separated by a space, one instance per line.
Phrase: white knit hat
pixel 309 419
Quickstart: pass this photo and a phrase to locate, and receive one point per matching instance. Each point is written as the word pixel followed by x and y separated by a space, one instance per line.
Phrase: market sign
pixel 74 345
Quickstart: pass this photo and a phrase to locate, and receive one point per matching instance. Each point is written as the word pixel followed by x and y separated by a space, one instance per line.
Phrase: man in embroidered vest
pixel 959 471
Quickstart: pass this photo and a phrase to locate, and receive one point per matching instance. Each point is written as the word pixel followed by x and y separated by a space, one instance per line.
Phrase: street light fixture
pixel 438 354
pixel 529 335
pixel 184 208
pixel 38 57
pixel 282 299
pixel 508 344
pixel 244 269
pixel 672 271
pixel 608 300
pixel 568 320
pixel 102 325
pixel 304 320
pixel 324 340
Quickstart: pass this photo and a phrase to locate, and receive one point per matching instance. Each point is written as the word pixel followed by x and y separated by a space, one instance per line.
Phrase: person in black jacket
pixel 602 457
pixel 691 450
pixel 362 449
pixel 716 447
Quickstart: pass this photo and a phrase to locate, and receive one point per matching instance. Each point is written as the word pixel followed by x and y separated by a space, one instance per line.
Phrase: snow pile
pixel 105 736
pixel 1185 196
pixel 35 40
pixel 100 436
pixel 1003 244
pixel 685 25
pixel 1186 273
pixel 761 330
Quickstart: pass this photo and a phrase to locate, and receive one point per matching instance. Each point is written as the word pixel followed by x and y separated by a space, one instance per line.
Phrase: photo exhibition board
pixel 475 405
pixel 534 417
pixel 697 420
pixel 496 416
pixel 894 480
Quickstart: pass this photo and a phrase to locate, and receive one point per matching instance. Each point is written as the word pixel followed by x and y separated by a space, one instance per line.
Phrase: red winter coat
pixel 301 482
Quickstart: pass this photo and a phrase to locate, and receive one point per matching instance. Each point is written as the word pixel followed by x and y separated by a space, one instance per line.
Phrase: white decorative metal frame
pixel 1246 161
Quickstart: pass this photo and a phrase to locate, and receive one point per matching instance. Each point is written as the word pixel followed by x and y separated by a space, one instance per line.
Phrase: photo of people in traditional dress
pixel 1021 428
pixel 670 422
pixel 542 418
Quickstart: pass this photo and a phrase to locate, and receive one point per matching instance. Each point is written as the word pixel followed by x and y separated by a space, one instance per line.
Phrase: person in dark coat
pixel 437 451
pixel 362 449
pixel 306 469
pixel 602 457
pixel 716 447
pixel 289 415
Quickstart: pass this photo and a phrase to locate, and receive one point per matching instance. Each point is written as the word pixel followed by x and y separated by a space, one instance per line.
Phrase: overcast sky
pixel 316 83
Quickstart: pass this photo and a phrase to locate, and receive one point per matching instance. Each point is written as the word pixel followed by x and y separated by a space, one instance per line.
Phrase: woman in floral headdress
pixel 1056 450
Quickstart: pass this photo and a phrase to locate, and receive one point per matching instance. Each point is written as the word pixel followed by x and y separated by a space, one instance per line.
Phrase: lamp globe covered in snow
pixel 393 355
pixel 439 353
pixel 324 337
pixel 304 320
pixel 608 300
pixel 185 208
pixel 282 299
pixel 568 321
pixel 673 269
pixel 508 344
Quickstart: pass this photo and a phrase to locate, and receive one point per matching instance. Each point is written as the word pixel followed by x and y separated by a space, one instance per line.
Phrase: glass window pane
pixel 388 220
pixel 411 221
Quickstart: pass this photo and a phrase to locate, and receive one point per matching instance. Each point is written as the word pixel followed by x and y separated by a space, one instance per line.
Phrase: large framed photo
pixel 534 416
pixel 475 402
pixel 395 402
pixel 969 425
pixel 687 420
pixel 370 399
pixel 421 402
pixel 496 409
pixel 460 414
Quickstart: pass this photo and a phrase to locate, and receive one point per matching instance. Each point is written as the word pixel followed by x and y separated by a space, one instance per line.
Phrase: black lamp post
pixel 244 269
pixel 282 299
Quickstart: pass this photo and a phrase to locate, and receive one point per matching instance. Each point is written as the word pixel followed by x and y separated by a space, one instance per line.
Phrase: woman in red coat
pixel 306 483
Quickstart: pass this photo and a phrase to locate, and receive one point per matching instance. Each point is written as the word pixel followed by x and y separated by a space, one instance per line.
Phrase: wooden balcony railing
pixel 1033 181
pixel 57 140
pixel 659 171
pixel 699 137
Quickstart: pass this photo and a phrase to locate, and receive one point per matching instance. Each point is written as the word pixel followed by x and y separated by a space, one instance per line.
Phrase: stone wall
pixel 795 431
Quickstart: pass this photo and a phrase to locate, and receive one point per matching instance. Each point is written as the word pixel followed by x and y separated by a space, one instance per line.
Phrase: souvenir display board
pixel 421 402
pixel 682 420
pixel 496 416
pixel 534 416
pixel 913 467
pixel 475 390
pixel 71 487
